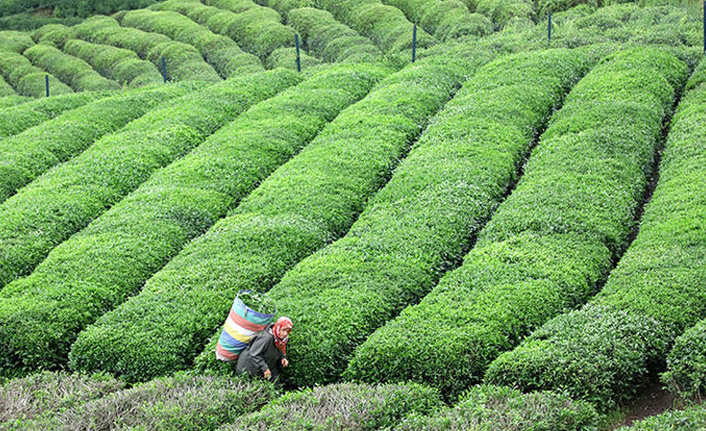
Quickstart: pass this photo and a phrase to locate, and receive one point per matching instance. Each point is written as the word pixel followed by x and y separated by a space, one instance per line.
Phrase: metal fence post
pixel 299 58
pixel 414 43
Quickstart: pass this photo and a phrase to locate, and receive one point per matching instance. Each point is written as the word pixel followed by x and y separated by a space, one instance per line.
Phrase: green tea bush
pixel 551 242
pixel 445 19
pixel 20 118
pixel 257 29
pixel 56 34
pixel 69 197
pixel 29 21
pixel 386 26
pixel 27 79
pixel 287 58
pixel 691 419
pixel 420 224
pixel 9 101
pixel 219 51
pixel 120 65
pixel 26 156
pixel 15 41
pixel 503 11
pixel 656 292
pixel 78 74
pixel 6 89
pixel 316 196
pixel 195 191
pixel 48 393
pixel 184 62
pixel 327 38
pixel 346 406
pixel 72 8
pixel 181 402
pixel 686 375
pixel 492 408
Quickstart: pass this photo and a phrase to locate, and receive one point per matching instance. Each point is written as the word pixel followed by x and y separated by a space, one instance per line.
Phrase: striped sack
pixel 242 324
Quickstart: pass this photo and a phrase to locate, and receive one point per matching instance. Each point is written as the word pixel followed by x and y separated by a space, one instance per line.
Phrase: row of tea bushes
pixel 184 402
pixel 184 62
pixel 17 119
pixel 26 79
pixel 347 406
pixel 444 19
pixel 29 154
pixel 78 74
pixel 657 291
pixel 493 408
pixel 69 197
pixel 331 40
pixel 46 394
pixel 219 51
pixel 57 34
pixel 257 29
pixel 386 26
pixel 9 101
pixel 689 419
pixel 15 41
pixel 551 242
pixel 120 65
pixel 422 222
pixel 5 88
pixel 176 205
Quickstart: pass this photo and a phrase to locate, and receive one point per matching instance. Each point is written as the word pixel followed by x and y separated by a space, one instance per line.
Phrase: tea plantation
pixel 482 215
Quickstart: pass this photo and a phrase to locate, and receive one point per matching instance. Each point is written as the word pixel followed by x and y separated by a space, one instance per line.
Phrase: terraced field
pixel 473 222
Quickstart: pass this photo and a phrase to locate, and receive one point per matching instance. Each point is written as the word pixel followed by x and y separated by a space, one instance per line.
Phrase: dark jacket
pixel 261 354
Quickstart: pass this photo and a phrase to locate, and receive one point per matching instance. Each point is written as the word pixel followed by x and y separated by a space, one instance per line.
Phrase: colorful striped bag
pixel 242 324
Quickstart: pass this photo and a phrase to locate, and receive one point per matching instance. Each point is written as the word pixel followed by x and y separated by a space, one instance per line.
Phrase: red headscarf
pixel 280 342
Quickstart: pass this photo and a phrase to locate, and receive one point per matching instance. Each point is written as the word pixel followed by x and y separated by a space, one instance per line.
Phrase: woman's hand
pixel 267 374
pixel 285 363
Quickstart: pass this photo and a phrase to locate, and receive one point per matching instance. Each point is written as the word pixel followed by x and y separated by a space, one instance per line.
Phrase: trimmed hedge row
pixel 15 41
pixel 309 201
pixel 181 402
pixel 184 62
pixel 13 100
pixel 71 8
pixel 14 120
pixel 195 192
pixel 120 65
pixel 656 292
pixel 266 234
pixel 551 242
pixel 257 29
pixel 29 21
pixel 26 156
pixel 386 26
pixel 503 11
pixel 78 74
pixel 287 57
pixel 219 51
pixel 421 223
pixel 686 373
pixel 444 19
pixel 27 79
pixel 493 408
pixel 56 34
pixel 65 200
pixel 6 89
pixel 691 419
pixel 48 394
pixel 327 38
pixel 346 406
